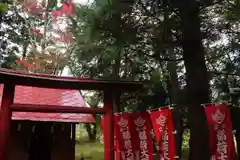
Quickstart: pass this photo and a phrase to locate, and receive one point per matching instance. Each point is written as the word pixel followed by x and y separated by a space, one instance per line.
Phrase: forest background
pixel 186 52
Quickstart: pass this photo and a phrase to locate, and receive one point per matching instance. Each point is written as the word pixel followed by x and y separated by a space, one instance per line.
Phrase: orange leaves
pixel 66 9
pixel 36 32
pixel 32 6
pixel 28 3
pixel 34 9
pixel 65 37
pixel 38 6
pixel 25 65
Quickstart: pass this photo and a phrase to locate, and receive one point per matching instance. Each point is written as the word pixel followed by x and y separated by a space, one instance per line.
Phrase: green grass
pixel 94 151
pixel 89 150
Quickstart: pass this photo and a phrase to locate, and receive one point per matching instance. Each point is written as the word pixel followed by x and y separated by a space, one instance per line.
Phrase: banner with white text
pixel 220 136
pixel 143 140
pixel 164 131
pixel 123 136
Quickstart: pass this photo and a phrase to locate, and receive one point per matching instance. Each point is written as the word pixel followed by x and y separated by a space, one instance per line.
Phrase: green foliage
pixel 142 41
pixel 110 44
pixel 3 8
pixel 10 61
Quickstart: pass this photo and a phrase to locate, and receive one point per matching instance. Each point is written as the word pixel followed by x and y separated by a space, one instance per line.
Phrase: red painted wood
pixel 46 96
pixel 54 117
pixel 49 81
pixel 54 109
pixel 108 127
pixel 5 119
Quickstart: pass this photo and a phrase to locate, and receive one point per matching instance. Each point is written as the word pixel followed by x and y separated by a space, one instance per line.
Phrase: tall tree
pixel 197 79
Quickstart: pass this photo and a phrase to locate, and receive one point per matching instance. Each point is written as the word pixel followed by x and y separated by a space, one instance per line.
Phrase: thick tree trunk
pixel 173 86
pixel 197 80
pixel 174 89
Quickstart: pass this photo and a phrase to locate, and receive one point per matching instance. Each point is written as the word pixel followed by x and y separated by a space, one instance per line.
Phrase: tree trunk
pixel 94 132
pixel 174 89
pixel 197 80
pixel 91 132
pixel 173 84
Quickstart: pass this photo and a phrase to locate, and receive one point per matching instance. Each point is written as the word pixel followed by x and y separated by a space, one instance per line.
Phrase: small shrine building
pixel 38 114
pixel 36 135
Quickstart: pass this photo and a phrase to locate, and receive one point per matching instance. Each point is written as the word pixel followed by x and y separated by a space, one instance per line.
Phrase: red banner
pixel 143 140
pixel 220 127
pixel 123 136
pixel 164 131
pixel 116 146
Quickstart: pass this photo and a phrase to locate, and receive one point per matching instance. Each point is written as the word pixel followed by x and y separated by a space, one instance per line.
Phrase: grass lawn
pixel 90 151
pixel 94 151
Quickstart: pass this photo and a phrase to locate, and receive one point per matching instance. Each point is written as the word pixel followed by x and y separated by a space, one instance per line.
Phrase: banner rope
pixel 215 104
pixel 171 107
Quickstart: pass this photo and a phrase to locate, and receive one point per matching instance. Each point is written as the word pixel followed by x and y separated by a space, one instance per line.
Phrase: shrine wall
pixel 21 133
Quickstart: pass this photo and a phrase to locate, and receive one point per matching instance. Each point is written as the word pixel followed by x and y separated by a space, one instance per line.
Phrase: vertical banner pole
pixel 5 119
pixel 108 126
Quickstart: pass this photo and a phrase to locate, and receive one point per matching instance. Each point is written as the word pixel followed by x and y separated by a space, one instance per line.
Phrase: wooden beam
pixel 54 109
pixel 5 119
pixel 58 82
pixel 108 126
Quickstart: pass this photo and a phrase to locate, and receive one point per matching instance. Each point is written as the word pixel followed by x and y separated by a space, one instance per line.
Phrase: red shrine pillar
pixel 5 119
pixel 108 126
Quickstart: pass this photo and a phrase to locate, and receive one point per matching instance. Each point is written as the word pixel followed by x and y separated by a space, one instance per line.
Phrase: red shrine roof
pixel 47 96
